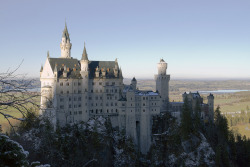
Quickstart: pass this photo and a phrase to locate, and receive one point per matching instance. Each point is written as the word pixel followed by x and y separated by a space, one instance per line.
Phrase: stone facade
pixel 75 90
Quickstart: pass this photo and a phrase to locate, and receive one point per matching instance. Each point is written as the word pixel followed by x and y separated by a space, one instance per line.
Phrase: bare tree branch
pixel 16 95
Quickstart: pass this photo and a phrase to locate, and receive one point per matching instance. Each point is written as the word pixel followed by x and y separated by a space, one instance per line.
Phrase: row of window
pixel 75 112
pixel 144 98
pixel 70 99
pixel 75 91
pixel 96 91
pixel 93 83
pixel 97 111
pixel 100 111
pixel 137 104
pixel 92 104
pixel 67 84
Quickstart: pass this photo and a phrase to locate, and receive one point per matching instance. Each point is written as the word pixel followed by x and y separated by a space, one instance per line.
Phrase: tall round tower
pixel 133 83
pixel 162 84
pixel 162 67
pixel 65 44
pixel 210 102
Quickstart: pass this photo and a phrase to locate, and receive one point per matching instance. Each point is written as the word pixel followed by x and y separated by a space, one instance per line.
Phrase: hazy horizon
pixel 198 39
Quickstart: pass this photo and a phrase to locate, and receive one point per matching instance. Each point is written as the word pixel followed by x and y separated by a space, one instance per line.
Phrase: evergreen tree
pixel 186 120
pixel 12 153
pixel 197 117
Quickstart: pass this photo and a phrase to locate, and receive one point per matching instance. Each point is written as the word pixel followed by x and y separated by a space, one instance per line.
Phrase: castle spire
pixel 84 54
pixel 120 72
pixel 55 69
pixel 65 44
pixel 65 32
pixel 41 70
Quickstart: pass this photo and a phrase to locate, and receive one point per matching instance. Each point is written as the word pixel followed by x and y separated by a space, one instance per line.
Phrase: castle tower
pixel 85 83
pixel 162 84
pixel 84 63
pixel 65 44
pixel 133 83
pixel 210 102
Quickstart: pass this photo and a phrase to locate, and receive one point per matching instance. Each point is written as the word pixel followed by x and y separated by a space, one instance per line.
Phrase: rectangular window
pixel 100 83
pixel 61 84
pixel 79 98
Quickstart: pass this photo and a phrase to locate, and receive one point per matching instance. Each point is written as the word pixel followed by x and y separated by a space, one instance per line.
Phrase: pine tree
pixel 12 153
pixel 197 117
pixel 186 120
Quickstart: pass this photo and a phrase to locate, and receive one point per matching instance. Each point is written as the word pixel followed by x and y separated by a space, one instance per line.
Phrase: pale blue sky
pixel 197 38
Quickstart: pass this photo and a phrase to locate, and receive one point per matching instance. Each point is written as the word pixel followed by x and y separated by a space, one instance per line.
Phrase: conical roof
pixel 65 32
pixel 84 54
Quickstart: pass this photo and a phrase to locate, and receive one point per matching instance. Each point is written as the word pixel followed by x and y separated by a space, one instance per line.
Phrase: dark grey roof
pixel 108 66
pixel 72 65
pixel 74 68
pixel 134 79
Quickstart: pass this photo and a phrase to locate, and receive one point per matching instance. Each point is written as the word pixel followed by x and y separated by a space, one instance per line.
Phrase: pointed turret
pixel 41 70
pixel 84 63
pixel 55 71
pixel 66 33
pixel 47 54
pixel 120 72
pixel 65 44
pixel 84 54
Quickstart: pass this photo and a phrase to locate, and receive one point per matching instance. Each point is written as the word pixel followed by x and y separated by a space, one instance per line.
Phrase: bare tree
pixel 16 95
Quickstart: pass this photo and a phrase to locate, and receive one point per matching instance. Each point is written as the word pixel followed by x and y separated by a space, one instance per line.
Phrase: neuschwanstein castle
pixel 75 90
